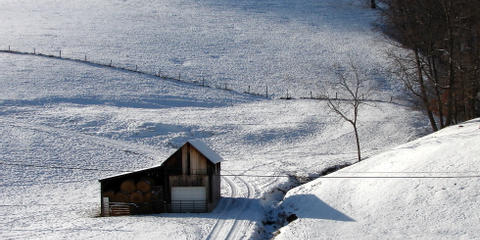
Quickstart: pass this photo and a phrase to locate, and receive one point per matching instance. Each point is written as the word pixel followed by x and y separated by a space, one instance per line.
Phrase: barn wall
pixel 186 167
pixel 185 159
pixel 188 180
pixel 198 163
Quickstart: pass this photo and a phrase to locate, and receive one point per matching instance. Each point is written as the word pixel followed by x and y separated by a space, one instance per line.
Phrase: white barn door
pixel 189 199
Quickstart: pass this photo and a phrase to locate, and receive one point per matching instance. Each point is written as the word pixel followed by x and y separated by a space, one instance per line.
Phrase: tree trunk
pixel 372 4
pixel 357 141
pixel 434 76
pixel 451 71
pixel 423 91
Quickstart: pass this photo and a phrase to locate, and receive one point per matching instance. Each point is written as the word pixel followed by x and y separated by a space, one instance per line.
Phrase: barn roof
pixel 206 151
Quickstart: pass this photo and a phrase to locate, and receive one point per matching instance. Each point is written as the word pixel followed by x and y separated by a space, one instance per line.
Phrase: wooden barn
pixel 187 181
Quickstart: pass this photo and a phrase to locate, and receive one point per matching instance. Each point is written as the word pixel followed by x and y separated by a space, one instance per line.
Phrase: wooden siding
pixel 186 167
pixel 198 163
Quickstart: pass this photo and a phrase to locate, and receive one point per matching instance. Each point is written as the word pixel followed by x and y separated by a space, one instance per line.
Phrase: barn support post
pixel 188 160
pixel 105 207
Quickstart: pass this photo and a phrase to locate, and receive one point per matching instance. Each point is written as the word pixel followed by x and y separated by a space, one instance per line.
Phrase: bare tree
pixel 444 38
pixel 352 95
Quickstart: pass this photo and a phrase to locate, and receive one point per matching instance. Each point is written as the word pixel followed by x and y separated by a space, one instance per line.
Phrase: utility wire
pixel 65 167
pixel 281 176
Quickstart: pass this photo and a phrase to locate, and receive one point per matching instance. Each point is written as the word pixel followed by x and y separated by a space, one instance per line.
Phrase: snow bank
pixel 431 206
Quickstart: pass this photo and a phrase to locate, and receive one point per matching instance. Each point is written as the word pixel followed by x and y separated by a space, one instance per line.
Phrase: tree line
pixel 441 67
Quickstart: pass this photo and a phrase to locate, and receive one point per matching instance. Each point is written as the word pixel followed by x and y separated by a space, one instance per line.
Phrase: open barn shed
pixel 187 181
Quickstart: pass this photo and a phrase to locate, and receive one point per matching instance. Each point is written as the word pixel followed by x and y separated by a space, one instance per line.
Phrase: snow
pixel 86 122
pixel 68 126
pixel 439 202
pixel 206 151
pixel 283 44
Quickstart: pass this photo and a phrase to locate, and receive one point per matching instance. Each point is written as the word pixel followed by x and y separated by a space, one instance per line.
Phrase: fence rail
pixel 161 75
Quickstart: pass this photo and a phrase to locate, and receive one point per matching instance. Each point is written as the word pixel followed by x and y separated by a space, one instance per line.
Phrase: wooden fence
pixel 201 82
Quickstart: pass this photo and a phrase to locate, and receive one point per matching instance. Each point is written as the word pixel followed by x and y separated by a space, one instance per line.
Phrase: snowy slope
pixel 64 114
pixel 285 44
pixel 71 116
pixel 426 207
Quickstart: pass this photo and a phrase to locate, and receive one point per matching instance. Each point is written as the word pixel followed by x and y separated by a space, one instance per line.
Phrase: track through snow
pixel 233 212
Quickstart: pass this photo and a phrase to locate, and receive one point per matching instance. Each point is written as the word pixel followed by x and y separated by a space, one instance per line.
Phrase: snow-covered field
pixel 71 116
pixel 425 189
pixel 283 44
pixel 56 113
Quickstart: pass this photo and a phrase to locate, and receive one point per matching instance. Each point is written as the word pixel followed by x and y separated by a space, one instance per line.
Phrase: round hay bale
pixel 144 185
pixel 147 197
pixel 128 186
pixel 120 197
pixel 109 193
pixel 136 197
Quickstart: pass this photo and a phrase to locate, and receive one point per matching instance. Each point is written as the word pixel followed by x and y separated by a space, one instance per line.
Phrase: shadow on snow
pixel 252 210
pixel 314 208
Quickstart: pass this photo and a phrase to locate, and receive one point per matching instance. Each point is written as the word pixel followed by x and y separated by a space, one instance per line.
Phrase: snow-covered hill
pixel 426 189
pixel 69 115
pixel 283 44
pixel 65 124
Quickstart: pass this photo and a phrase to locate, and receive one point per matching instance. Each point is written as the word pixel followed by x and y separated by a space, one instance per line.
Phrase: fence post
pixel 85 57
pixel 34 51
pixel 266 91
pixel 225 86
pixel 391 99
pixel 179 77
pixel 8 47
pixel 159 72
pixel 60 53
pixel 110 63
pixel 136 67
pixel 311 95
pixel 336 96
pixel 248 91
pixel 203 81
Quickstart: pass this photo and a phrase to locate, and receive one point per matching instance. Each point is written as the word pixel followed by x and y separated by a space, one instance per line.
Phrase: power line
pixel 283 176
pixel 65 167
pixel 357 177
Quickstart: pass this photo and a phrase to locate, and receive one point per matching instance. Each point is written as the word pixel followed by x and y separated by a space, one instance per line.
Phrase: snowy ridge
pixel 433 193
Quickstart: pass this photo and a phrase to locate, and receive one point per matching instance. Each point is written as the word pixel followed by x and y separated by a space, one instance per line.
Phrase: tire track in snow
pixel 233 222
pixel 241 225
pixel 219 227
